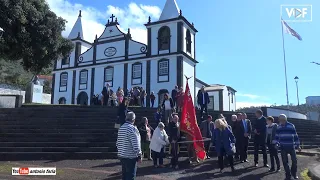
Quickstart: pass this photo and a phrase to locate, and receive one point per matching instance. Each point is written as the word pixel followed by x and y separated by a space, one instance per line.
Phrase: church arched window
pixel 188 41
pixel 164 38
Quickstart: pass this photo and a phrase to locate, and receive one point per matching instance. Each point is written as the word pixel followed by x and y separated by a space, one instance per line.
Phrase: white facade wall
pixel 228 104
pixel 314 116
pixel 216 103
pixel 154 85
pixel 131 84
pixel 313 100
pixel 66 94
pixel 188 70
pixel 118 76
pixel 173 41
pixel 184 44
pixel 77 87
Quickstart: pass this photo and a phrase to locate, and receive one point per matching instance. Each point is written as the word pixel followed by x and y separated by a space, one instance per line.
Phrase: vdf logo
pixel 296 13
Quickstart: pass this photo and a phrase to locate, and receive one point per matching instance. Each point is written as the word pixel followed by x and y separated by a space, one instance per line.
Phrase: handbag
pixel 233 148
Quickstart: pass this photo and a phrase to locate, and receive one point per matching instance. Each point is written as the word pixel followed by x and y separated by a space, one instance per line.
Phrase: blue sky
pixel 239 44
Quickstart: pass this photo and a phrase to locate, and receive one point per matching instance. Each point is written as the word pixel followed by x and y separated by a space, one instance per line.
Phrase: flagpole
pixel 285 67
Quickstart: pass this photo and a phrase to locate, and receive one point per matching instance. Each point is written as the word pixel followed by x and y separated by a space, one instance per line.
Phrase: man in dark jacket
pixel 203 101
pixel 259 138
pixel 246 129
pixel 206 128
pixel 237 131
pixel 174 93
pixel 174 137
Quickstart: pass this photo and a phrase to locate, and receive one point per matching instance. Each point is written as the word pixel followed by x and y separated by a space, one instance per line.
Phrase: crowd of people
pixel 136 96
pixel 139 140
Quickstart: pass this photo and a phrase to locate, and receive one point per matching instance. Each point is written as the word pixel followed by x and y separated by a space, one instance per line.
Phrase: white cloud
pixel 250 104
pixel 251 96
pixel 133 16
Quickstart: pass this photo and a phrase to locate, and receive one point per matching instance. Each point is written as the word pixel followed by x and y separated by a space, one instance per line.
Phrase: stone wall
pixel 13 92
pixel 46 98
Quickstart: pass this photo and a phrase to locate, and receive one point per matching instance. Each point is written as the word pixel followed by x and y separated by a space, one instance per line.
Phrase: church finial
pixel 79 35
pixel 112 16
pixel 96 36
pixel 116 20
pixel 108 21
pixel 180 13
pixel 129 34
pixel 80 13
pixel 149 21
pixel 192 24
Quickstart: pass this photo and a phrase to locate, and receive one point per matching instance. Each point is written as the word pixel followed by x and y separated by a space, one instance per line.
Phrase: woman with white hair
pixel 158 142
pixel 223 139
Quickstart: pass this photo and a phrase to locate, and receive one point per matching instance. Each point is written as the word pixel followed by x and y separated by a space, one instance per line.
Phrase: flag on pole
pixel 289 30
pixel 190 126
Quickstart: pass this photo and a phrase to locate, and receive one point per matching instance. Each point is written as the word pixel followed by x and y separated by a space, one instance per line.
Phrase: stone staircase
pixel 75 132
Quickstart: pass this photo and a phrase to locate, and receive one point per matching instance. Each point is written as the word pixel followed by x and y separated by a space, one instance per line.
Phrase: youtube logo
pixel 23 171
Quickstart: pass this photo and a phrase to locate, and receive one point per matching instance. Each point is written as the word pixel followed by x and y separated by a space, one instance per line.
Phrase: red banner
pixel 189 124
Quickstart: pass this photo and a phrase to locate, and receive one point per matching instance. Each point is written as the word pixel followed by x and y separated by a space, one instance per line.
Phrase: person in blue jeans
pixel 287 140
pixel 129 147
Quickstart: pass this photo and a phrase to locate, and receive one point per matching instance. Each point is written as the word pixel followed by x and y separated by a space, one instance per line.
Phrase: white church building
pixel 116 59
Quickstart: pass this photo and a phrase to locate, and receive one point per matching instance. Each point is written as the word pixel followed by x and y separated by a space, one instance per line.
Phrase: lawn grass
pixel 304 175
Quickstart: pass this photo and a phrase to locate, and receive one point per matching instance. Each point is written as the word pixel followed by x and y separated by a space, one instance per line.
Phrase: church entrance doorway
pixel 62 100
pixel 161 94
pixel 82 98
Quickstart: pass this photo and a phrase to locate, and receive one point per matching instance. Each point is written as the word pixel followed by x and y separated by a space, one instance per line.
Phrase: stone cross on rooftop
pixel 112 16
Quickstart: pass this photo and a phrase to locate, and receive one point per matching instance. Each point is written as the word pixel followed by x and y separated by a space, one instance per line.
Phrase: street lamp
pixel 296 79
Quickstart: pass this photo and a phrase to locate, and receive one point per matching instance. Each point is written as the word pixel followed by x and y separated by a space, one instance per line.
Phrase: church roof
pixel 170 10
pixel 77 29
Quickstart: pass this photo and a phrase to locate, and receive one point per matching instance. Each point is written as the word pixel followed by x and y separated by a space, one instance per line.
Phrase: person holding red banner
pixel 189 125
pixel 224 140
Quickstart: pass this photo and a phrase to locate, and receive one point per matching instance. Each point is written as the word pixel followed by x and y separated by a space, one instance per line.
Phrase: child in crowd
pixel 158 115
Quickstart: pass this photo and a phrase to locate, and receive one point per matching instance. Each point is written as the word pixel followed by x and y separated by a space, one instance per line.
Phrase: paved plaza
pixel 111 169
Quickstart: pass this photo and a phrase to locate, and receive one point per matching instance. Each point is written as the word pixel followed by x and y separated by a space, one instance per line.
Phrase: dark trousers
pixel 142 102
pixel 204 107
pixel 129 168
pixel 207 146
pixel 105 101
pixel 273 156
pixel 174 154
pixel 174 101
pixel 156 156
pixel 238 149
pixel 152 102
pixel 191 152
pixel 259 143
pixel 220 159
pixel 244 149
pixel 284 156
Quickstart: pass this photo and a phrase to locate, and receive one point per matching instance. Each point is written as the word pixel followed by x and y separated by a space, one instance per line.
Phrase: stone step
pixel 32 156
pixel 57 149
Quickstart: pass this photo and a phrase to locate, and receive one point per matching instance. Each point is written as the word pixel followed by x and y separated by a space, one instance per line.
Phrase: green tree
pixel 47 87
pixel 32 33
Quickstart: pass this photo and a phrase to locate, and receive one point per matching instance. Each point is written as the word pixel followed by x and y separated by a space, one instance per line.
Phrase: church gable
pixel 111 51
pixel 111 31
pixel 136 49
pixel 86 57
